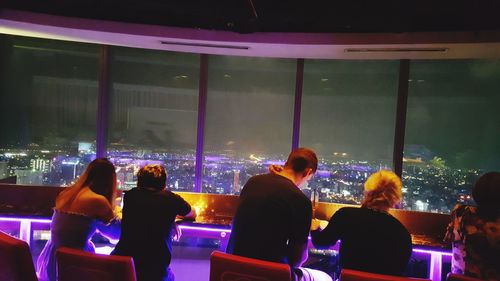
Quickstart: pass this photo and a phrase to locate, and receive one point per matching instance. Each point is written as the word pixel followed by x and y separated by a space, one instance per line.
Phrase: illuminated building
pixel 42 165
pixel 30 177
pixel 236 182
pixel 4 172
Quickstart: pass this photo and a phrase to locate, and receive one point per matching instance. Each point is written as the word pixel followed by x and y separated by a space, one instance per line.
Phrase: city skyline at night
pixel 213 129
pixel 429 185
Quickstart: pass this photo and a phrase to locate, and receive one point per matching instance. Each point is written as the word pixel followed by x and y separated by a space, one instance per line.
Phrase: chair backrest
pixel 460 277
pixel 16 263
pixel 77 265
pixel 227 267
pixel 356 275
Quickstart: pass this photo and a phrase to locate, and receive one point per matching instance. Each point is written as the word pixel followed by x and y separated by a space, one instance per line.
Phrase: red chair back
pixel 77 265
pixel 227 267
pixel 460 277
pixel 356 275
pixel 16 263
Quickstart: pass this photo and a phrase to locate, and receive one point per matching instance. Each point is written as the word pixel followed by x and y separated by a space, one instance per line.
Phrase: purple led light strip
pixel 435 255
pixel 425 251
pixel 201 228
pixel 207 229
pixel 17 219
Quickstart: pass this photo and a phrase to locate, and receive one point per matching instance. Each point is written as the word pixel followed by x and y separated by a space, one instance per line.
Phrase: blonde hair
pixel 382 190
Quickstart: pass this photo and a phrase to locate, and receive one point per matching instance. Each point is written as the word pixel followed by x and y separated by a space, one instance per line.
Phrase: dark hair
pixel 153 176
pixel 100 177
pixel 486 193
pixel 302 158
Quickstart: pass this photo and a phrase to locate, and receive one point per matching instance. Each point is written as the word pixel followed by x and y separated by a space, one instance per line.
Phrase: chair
pixel 16 263
pixel 77 265
pixel 460 277
pixel 356 275
pixel 227 267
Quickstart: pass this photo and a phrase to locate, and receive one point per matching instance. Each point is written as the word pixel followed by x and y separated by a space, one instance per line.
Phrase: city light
pixel 426 188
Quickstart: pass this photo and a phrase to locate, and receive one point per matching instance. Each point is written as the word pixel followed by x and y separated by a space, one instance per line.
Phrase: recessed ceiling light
pixel 395 50
pixel 324 79
pixel 205 45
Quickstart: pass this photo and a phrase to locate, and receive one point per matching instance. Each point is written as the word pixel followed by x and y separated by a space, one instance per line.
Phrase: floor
pixel 191 263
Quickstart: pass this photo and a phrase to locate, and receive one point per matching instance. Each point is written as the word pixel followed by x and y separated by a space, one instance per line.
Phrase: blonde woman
pixel 80 209
pixel 372 239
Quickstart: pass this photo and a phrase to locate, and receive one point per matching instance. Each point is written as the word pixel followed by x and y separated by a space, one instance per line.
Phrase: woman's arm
pixel 109 224
pixel 110 230
pixel 191 215
pixel 329 236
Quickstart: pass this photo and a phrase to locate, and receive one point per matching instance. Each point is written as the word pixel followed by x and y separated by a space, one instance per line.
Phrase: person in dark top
pixel 273 219
pixel 371 239
pixel 474 231
pixel 149 212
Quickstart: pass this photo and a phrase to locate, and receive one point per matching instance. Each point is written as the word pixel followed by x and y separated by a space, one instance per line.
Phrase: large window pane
pixel 249 119
pixel 48 93
pixel 153 116
pixel 452 131
pixel 348 118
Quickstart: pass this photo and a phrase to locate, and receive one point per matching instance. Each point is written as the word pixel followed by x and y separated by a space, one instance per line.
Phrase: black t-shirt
pixel 147 221
pixel 273 217
pixel 371 241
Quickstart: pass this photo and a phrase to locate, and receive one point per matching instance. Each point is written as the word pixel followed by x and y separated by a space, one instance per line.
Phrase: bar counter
pixel 24 209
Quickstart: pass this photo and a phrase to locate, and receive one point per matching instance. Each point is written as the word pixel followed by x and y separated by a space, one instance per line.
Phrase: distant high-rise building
pixel 29 177
pixel 236 181
pixel 4 170
pixel 42 165
pixel 85 148
pixel 69 169
pixel 421 206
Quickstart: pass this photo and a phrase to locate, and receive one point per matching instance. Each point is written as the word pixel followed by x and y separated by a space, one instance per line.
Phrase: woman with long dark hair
pixel 79 210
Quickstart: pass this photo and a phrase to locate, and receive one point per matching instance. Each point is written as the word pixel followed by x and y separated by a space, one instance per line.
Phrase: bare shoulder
pixel 90 196
pixel 94 203
pixel 98 201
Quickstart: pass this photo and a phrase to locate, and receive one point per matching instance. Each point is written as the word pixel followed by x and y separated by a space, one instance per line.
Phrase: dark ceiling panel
pixel 247 16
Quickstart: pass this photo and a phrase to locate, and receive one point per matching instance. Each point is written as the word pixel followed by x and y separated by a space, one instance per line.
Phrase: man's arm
pixel 297 244
pixel 327 237
pixel 191 215
pixel 184 209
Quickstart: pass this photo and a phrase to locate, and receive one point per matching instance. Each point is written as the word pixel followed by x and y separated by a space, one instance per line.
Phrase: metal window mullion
pixel 202 105
pixel 299 81
pixel 102 102
pixel 402 102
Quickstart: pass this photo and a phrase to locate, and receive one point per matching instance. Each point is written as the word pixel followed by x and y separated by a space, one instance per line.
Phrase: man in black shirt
pixel 274 217
pixel 149 213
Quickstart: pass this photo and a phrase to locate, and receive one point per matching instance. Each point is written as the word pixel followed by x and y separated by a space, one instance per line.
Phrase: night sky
pixel 347 106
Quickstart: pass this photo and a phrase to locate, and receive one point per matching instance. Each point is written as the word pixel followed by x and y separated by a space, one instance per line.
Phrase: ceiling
pixel 313 16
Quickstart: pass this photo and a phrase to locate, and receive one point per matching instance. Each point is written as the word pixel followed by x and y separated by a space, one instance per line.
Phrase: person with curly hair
pixel 148 224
